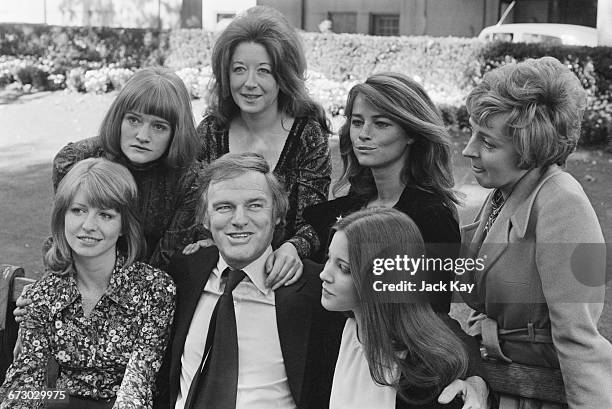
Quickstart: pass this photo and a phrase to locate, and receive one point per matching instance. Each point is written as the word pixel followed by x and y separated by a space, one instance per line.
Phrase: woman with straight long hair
pixel 396 352
pixel 396 154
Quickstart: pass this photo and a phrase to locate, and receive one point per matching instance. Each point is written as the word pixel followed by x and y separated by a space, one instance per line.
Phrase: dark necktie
pixel 215 383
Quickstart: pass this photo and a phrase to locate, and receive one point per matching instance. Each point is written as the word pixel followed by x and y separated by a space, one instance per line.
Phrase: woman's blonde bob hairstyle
pixel 435 356
pixel 106 185
pixel 160 92
pixel 544 102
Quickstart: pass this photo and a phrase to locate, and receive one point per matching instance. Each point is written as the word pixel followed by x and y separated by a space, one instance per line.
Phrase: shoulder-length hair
pixel 435 356
pixel 160 92
pixel 268 27
pixel 544 101
pixel 399 98
pixel 106 185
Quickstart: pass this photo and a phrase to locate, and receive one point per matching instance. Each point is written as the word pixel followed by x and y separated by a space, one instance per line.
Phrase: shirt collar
pixel 117 291
pixel 255 271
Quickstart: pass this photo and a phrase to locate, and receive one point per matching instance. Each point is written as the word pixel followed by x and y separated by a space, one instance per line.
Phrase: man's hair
pixel 544 102
pixel 234 165
pixel 106 185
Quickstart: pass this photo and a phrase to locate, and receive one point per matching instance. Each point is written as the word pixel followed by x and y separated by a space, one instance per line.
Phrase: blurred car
pixel 547 33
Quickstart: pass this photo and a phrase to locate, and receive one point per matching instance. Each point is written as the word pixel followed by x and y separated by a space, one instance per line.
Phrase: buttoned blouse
pixel 116 351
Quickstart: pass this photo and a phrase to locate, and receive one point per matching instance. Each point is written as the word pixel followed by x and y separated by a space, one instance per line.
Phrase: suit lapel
pixel 192 274
pixel 293 318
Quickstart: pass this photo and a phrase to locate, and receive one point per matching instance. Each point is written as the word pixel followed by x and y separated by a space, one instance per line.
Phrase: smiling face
pixel 378 142
pixel 494 158
pixel 144 138
pixel 91 232
pixel 252 82
pixel 339 292
pixel 240 217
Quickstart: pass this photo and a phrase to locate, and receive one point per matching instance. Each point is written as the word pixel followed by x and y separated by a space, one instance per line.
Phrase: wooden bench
pixel 12 281
pixel 532 382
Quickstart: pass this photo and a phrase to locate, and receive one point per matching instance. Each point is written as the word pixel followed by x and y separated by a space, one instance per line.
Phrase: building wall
pixel 292 9
pixel 111 13
pixel 417 17
pixel 212 8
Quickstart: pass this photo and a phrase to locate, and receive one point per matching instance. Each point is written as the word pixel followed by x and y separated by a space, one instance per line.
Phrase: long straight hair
pixel 434 355
pixel 428 165
pixel 106 185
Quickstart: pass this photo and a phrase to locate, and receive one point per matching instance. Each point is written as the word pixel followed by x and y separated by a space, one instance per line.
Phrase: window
pixel 344 22
pixel 384 24
pixel 225 16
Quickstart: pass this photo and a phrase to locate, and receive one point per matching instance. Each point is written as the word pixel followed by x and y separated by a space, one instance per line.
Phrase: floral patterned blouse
pixel 116 351
pixel 304 168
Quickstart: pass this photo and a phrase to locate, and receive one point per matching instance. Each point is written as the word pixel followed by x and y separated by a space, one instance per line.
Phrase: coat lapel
pixel 191 274
pixel 293 318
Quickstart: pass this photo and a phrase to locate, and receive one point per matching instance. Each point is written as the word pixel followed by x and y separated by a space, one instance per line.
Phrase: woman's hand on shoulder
pixel 283 266
pixel 193 247
pixel 473 391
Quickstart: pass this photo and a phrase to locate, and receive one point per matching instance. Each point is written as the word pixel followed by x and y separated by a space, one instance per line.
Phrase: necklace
pixel 497 202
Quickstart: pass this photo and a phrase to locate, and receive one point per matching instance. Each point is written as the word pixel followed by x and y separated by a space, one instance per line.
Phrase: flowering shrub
pixel 196 80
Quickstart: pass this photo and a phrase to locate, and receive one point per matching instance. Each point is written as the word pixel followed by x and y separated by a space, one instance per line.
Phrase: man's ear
pixel 206 221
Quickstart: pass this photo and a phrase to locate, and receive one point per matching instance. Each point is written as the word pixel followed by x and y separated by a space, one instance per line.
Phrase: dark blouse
pixel 115 351
pixel 435 220
pixel 167 198
pixel 304 167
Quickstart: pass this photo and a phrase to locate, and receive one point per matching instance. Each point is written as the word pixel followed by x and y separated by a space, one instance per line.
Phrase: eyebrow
pixel 480 131
pixel 378 116
pixel 157 118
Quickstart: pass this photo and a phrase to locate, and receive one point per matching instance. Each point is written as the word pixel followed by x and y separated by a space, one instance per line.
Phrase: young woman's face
pixel 144 138
pixel 494 158
pixel 91 232
pixel 378 141
pixel 252 84
pixel 339 292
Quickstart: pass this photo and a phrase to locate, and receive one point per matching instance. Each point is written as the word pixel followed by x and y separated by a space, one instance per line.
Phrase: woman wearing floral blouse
pixel 102 316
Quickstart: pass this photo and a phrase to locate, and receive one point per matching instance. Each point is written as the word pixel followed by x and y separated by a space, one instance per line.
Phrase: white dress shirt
pixel 353 386
pixel 262 379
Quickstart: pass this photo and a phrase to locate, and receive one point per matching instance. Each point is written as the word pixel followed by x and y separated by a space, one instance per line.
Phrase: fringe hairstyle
pixel 154 91
pixel 435 356
pixel 106 185
pixel 428 166
pixel 268 27
pixel 545 102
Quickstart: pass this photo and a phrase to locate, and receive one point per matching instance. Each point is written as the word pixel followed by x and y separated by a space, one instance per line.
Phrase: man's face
pixel 240 216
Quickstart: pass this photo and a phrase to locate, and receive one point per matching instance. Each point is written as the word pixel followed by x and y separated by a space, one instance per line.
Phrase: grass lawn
pixel 35 127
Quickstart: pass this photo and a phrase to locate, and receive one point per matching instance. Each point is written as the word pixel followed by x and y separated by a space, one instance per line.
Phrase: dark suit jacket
pixel 309 335
pixel 436 221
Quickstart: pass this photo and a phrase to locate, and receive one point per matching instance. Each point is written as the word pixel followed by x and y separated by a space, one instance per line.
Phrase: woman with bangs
pixel 259 103
pixel 149 128
pixel 395 352
pixel 396 154
pixel 541 292
pixel 99 320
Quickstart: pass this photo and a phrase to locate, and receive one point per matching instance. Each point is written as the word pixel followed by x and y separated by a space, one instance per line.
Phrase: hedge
pixel 97 59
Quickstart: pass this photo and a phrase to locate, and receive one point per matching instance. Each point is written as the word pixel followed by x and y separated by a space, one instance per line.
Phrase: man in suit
pixel 286 341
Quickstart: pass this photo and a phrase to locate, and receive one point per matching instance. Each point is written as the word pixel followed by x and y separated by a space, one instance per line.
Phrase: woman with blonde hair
pixel 396 154
pixel 99 317
pixel 541 293
pixel 259 103
pixel 396 352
